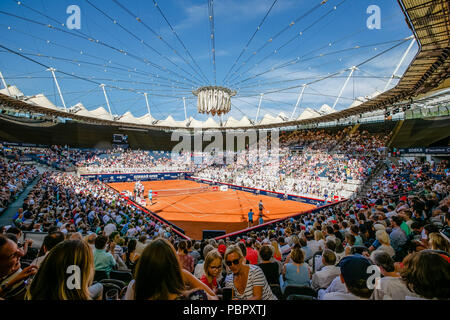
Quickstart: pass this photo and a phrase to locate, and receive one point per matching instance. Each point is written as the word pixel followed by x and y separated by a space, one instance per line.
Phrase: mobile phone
pixel 227 294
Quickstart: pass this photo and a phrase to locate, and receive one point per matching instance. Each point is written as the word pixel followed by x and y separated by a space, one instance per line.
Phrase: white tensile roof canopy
pixel 147 119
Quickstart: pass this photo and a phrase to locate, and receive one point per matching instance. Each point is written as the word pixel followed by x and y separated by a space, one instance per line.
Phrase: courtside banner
pixel 430 150
pixel 316 202
pixel 130 177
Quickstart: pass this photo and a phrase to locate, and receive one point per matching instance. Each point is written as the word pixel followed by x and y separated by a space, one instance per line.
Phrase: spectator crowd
pixel 397 230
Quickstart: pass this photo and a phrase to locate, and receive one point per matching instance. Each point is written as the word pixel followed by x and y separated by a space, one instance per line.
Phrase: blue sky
pixel 327 44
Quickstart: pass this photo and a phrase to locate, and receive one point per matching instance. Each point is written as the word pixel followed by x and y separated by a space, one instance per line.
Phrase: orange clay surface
pixel 213 210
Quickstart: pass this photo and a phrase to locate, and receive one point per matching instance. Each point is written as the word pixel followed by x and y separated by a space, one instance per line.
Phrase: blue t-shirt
pixel 250 215
pixel 150 194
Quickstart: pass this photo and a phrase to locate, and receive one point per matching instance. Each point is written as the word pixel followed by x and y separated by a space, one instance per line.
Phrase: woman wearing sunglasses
pixel 247 281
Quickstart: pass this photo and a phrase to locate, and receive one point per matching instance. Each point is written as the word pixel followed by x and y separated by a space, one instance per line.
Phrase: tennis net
pixel 177 192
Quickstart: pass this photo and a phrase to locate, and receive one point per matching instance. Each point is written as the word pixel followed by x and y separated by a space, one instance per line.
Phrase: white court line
pixel 199 214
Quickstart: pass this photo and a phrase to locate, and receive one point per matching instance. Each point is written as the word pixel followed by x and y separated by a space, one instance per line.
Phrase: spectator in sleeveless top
pixel 277 253
pixel 296 272
pixel 131 257
pixel 247 281
pixel 269 267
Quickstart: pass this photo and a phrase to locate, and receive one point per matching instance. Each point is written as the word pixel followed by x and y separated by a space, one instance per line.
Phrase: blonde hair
pixel 318 235
pixel 382 237
pixel 297 255
pixel 439 242
pixel 210 257
pixel 50 282
pixel 233 249
pixel 276 249
pixel 295 240
pixel 76 236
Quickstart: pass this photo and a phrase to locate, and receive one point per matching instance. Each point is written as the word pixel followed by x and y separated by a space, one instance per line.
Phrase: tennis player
pixel 250 218
pixel 150 196
pixel 261 207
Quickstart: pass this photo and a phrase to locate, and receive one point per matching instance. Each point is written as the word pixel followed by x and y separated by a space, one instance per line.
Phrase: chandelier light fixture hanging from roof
pixel 213 100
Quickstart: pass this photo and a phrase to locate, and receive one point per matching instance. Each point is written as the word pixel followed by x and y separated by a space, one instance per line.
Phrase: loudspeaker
pixel 208 234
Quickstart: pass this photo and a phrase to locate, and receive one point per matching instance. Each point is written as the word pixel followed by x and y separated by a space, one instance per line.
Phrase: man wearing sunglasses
pixel 247 281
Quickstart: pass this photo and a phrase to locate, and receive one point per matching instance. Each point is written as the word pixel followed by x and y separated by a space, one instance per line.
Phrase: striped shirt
pixel 255 277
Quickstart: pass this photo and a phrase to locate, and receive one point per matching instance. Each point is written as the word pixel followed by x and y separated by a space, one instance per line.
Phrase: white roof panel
pixel 42 101
pixel 101 113
pixel 210 123
pixel 128 117
pixel 268 119
pixel 308 113
pixel 146 119
pixel 13 90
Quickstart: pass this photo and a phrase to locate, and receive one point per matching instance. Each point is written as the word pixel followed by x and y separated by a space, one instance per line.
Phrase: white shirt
pixel 316 245
pixel 129 295
pixel 391 288
pixel 109 228
pixel 384 248
pixel 199 271
pixel 38 261
pixel 106 218
pixel 335 286
pixel 140 247
pixel 324 277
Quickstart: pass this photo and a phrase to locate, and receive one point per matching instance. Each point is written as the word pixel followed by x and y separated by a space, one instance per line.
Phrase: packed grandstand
pixel 377 224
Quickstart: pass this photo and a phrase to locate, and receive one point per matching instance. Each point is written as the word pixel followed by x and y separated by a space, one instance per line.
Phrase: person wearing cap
pixel 222 248
pixel 402 205
pixel 354 274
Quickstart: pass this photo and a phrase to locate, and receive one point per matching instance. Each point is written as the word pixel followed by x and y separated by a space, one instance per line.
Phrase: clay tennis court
pixel 212 210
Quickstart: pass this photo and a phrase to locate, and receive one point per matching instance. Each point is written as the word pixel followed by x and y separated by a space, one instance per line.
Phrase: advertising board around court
pixel 131 177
